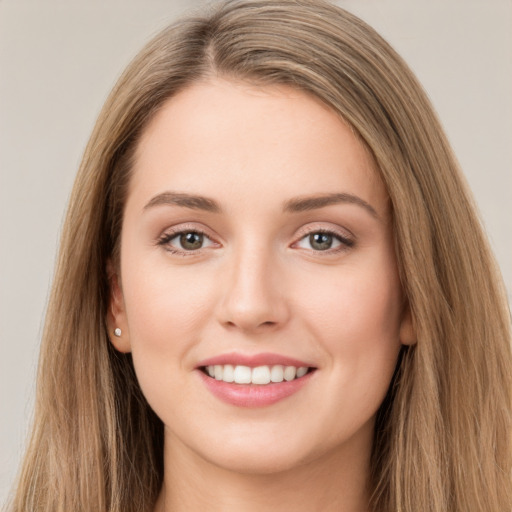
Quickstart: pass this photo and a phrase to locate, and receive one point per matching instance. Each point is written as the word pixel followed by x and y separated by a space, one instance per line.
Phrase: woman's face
pixel 257 234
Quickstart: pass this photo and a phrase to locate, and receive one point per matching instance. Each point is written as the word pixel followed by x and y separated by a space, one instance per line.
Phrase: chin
pixel 250 461
pixel 265 450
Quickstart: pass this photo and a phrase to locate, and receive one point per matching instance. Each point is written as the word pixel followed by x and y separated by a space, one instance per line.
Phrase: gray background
pixel 58 61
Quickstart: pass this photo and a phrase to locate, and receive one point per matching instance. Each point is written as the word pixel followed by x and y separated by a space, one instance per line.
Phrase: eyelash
pixel 167 237
pixel 345 243
pixel 164 240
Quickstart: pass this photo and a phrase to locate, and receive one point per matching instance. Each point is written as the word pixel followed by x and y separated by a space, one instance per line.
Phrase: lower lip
pixel 253 395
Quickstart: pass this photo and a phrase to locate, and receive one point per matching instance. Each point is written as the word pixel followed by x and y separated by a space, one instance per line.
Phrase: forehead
pixel 232 136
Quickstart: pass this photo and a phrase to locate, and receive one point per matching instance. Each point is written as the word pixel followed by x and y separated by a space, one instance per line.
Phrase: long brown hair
pixel 442 439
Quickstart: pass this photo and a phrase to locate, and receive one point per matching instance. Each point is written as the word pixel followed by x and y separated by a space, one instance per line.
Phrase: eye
pixel 185 241
pixel 324 241
pixel 190 241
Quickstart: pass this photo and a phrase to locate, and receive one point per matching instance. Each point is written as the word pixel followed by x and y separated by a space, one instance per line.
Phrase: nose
pixel 254 293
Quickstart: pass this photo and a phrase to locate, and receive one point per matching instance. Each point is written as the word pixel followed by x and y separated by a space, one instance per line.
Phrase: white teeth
pixel 242 375
pixel 229 373
pixel 276 374
pixel 258 375
pixel 290 372
pixel 301 371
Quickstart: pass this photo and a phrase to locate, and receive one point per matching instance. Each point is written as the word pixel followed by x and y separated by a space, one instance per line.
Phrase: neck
pixel 334 482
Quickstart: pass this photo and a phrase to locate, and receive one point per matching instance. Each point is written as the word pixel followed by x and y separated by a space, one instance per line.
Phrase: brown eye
pixel 191 241
pixel 321 241
pixel 186 242
pixel 324 241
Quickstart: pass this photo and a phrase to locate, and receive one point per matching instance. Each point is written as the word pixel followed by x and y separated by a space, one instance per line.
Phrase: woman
pixel 272 291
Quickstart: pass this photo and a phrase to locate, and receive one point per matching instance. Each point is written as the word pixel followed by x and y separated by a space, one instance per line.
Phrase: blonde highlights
pixel 442 439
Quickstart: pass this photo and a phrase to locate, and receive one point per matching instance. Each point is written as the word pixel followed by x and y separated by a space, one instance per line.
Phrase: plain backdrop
pixel 58 61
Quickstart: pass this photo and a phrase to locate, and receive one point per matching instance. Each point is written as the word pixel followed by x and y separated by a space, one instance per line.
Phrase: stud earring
pixel 117 332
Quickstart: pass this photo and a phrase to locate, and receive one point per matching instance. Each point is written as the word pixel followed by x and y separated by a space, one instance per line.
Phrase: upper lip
pixel 262 359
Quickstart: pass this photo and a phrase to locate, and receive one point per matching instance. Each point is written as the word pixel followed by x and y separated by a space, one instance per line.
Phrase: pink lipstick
pixel 254 380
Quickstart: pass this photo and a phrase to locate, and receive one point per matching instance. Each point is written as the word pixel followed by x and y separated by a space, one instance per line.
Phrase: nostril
pixel 251 301
pixel 247 325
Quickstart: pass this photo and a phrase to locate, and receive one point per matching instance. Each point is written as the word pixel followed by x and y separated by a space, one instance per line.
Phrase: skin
pixel 258 285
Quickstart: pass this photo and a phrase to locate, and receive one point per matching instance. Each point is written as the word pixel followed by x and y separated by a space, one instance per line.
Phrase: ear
pixel 116 313
pixel 407 332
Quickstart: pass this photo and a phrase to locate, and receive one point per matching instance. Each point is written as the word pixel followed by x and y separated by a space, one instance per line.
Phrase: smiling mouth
pixel 260 375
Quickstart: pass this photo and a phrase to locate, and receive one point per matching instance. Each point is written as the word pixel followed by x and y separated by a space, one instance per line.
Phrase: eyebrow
pixel 185 200
pixel 302 204
pixel 294 205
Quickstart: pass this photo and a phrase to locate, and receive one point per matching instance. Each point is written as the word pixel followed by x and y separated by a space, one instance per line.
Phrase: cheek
pixel 166 307
pixel 357 303
pixel 166 313
pixel 163 304
pixel 356 318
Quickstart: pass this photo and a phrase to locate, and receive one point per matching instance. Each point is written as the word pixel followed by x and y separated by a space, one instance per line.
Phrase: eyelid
pixel 345 237
pixel 173 231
